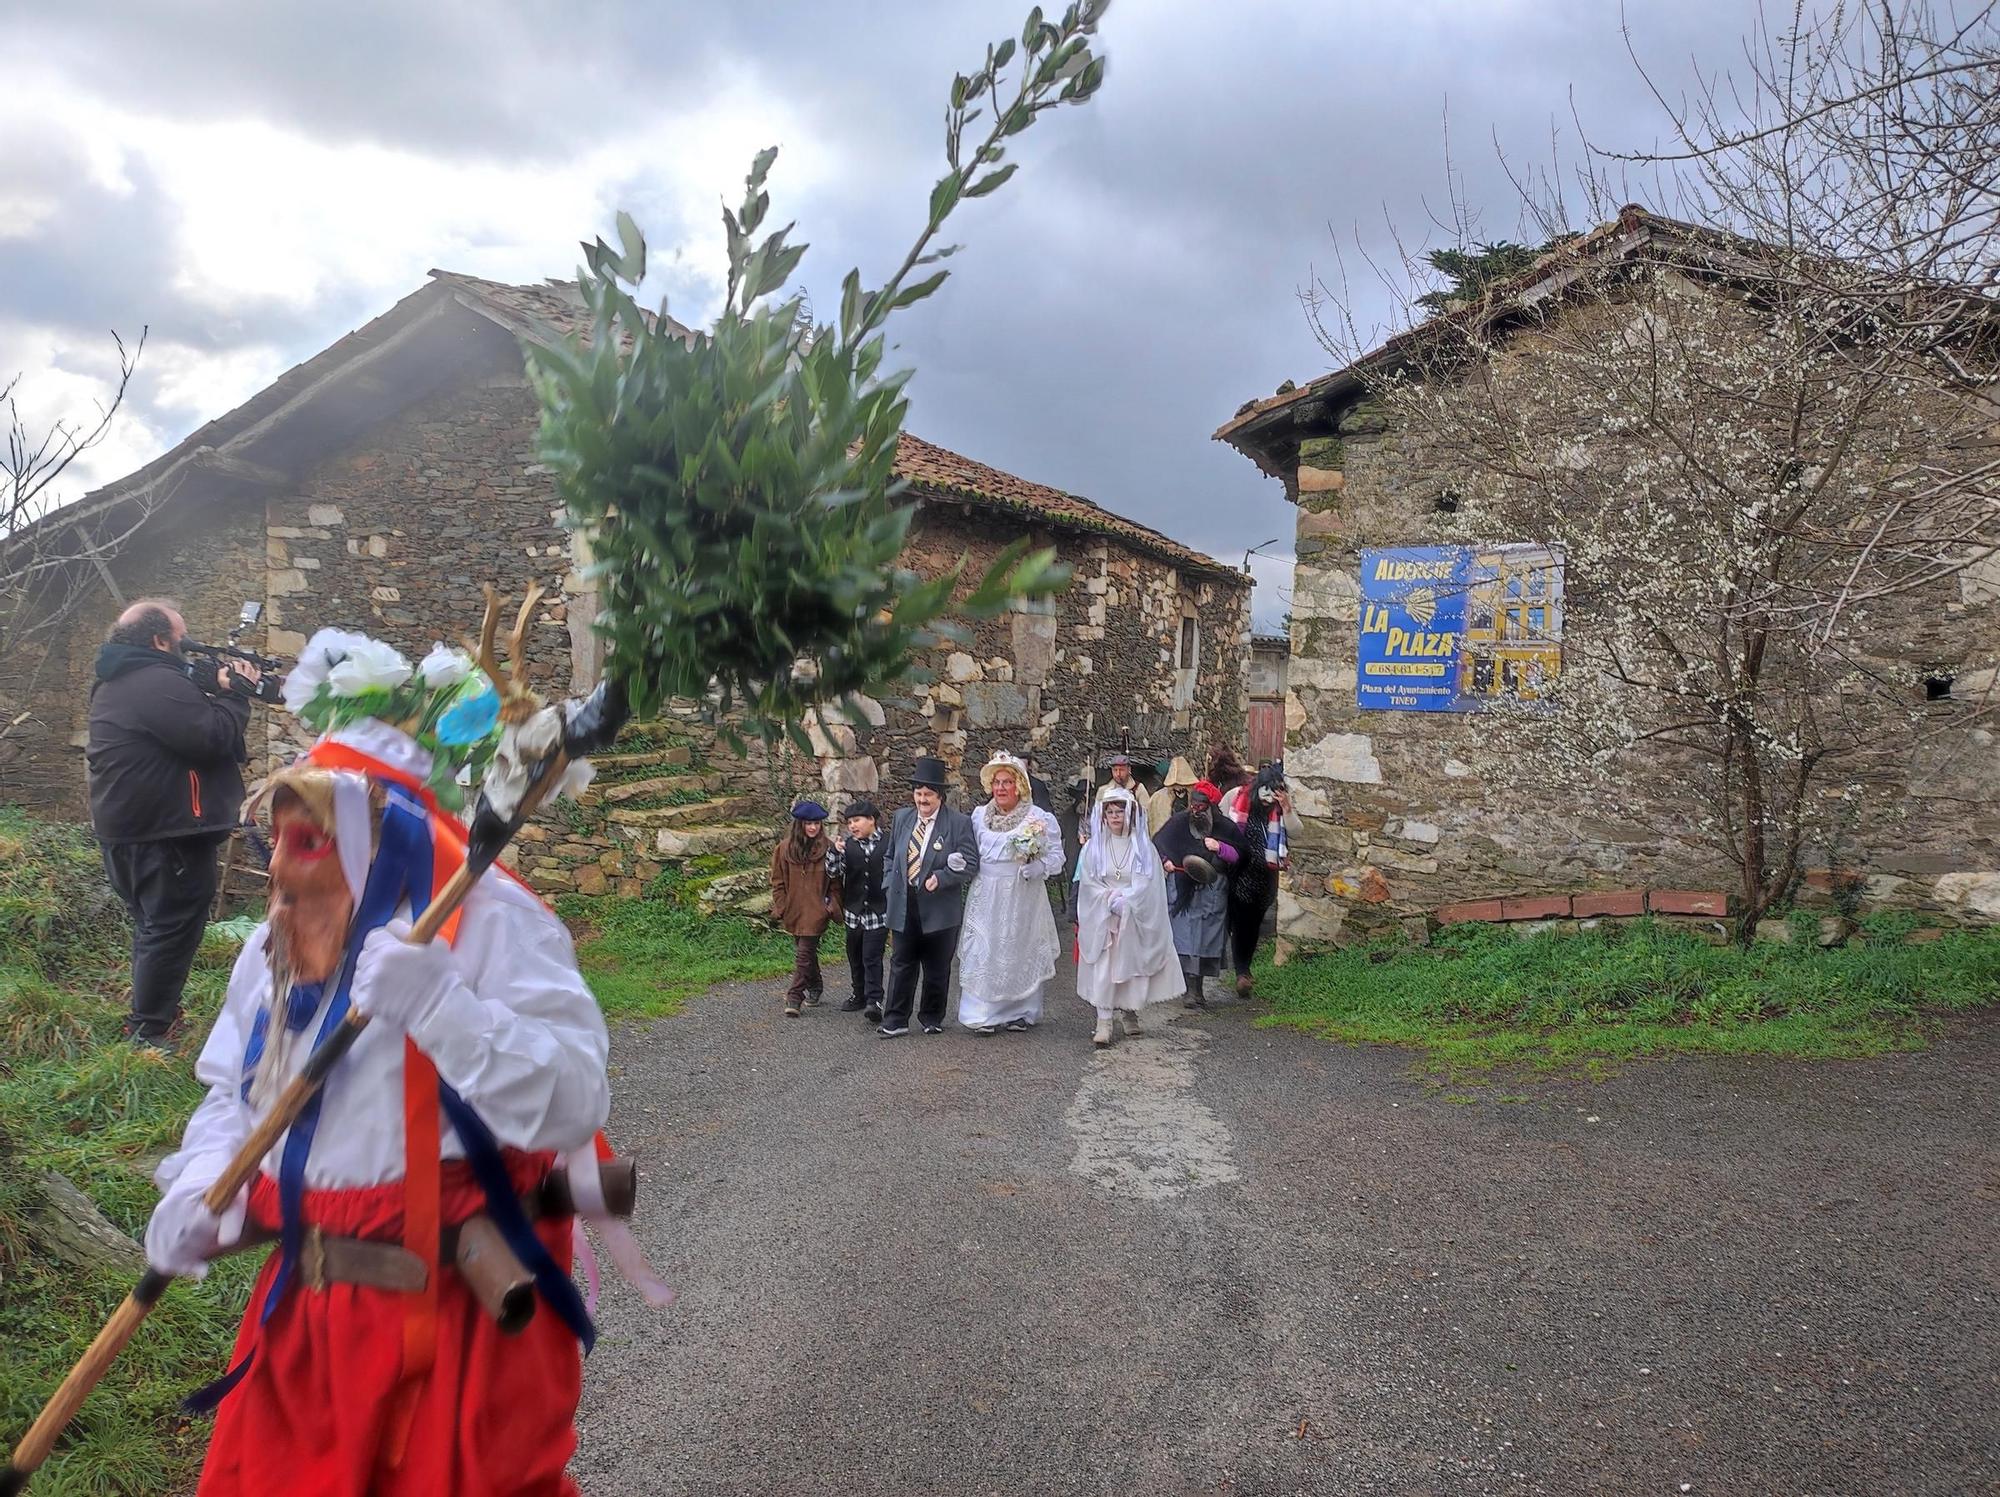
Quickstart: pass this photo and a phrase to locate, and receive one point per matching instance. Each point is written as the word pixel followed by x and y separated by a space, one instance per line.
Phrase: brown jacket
pixel 803 899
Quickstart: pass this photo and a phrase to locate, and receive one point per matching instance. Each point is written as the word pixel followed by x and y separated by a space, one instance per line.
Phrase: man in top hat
pixel 934 854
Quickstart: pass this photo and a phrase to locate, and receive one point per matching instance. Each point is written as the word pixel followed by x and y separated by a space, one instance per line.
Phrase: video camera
pixel 267 689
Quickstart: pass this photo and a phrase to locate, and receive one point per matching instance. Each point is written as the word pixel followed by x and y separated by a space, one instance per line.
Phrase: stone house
pixel 1417 816
pixel 379 484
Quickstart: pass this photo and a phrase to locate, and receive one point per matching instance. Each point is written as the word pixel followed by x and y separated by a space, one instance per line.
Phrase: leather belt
pixel 325 1260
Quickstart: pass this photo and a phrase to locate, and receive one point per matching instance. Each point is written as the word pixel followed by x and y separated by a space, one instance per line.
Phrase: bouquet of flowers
pixel 1029 843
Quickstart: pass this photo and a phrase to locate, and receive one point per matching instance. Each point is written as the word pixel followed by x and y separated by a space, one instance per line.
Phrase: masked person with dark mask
pixel 1198 848
pixel 1263 810
pixel 165 788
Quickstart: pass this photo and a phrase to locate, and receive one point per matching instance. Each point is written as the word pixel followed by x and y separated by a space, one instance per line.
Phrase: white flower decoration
pixel 316 661
pixel 367 663
pixel 444 667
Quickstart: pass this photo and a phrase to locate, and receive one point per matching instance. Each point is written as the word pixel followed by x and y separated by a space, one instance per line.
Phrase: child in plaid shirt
pixel 858 866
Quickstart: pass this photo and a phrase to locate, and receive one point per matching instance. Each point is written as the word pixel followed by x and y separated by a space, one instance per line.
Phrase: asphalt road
pixel 1219 1259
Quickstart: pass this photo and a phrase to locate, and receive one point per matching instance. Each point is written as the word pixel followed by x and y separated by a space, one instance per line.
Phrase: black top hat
pixel 932 772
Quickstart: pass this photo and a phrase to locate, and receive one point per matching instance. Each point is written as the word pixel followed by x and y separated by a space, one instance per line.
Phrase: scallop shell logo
pixel 1421 605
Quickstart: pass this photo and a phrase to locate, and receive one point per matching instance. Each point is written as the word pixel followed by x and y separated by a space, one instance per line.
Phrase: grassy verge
pixel 1482 996
pixel 76 1100
pixel 644 958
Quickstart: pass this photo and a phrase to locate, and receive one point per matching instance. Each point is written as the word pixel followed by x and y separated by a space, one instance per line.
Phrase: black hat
pixel 932 772
pixel 863 807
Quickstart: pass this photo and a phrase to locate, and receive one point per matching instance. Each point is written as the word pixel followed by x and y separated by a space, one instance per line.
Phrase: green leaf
pixel 944 196
pixel 1030 33
pixel 910 295
pixel 991 181
pixel 1003 53
pixel 634 266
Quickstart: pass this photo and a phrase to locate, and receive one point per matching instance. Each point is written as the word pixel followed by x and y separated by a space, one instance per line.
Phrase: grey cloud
pixel 1132 286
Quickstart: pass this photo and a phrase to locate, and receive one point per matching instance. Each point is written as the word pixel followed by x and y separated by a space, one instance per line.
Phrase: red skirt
pixel 495 1416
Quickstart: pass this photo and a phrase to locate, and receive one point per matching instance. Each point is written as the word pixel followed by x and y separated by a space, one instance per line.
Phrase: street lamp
pixel 1274 540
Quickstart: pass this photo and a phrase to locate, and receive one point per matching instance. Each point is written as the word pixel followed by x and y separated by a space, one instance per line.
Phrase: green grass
pixel 1483 996
pixel 644 958
pixel 75 1099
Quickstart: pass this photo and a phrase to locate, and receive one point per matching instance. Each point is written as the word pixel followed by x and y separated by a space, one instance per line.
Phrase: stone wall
pixel 1410 812
pixel 396 534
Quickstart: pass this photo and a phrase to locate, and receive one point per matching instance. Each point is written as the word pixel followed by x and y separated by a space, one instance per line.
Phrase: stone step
pixel 756 904
pixel 624 790
pixel 695 813
pixel 722 837
pixel 679 756
pixel 731 891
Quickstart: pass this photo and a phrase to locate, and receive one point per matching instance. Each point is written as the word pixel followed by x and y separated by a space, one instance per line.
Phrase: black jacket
pixel 163 753
pixel 864 883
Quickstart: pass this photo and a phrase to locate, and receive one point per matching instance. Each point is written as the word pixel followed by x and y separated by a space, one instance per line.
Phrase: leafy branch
pixel 738 484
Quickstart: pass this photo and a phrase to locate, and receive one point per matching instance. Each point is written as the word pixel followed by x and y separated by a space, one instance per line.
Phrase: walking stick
pixel 591 725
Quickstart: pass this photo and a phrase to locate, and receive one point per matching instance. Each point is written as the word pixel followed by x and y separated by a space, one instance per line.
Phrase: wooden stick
pixel 97 1358
pixel 40 1439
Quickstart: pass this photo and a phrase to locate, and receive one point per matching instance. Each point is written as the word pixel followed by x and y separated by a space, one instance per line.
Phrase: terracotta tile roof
pixel 940 470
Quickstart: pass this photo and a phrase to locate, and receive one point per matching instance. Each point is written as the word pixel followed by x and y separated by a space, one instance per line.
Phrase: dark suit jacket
pixel 951 833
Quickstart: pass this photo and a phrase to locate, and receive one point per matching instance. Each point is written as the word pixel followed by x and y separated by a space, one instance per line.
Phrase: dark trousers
pixel 167 887
pixel 1246 925
pixel 864 963
pixel 806 979
pixel 920 951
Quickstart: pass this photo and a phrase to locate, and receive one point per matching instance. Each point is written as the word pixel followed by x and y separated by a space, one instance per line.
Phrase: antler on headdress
pixel 518 700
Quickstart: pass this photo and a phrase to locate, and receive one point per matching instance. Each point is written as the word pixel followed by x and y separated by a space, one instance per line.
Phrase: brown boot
pixel 1244 987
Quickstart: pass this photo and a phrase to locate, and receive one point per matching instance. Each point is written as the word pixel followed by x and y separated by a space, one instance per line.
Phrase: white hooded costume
pixel 1125 945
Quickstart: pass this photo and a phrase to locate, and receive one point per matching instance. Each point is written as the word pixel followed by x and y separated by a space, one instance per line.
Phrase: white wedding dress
pixel 1007 946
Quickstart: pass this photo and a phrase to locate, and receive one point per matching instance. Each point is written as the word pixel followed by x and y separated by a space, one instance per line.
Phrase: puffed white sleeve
pixel 223 1120
pixel 1054 857
pixel 521 1038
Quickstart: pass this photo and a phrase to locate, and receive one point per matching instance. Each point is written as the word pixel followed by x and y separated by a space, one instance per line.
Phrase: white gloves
pixel 184 1234
pixel 401 984
pixel 1031 870
pixel 1117 904
pixel 955 862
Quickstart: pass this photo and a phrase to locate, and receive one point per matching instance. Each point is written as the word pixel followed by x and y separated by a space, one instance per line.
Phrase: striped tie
pixel 916 858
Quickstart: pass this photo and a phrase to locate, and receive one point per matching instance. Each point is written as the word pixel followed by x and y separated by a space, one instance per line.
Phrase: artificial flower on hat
pixel 445 702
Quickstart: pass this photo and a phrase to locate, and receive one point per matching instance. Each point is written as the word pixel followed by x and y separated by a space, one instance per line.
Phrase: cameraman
pixel 164 792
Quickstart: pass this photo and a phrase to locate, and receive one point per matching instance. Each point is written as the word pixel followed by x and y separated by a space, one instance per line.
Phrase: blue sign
pixel 1453 628
pixel 1412 628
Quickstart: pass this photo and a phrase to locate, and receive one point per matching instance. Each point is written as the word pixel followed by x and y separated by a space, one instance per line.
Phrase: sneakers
pixel 893 1031
pixel 986 1029
pixel 934 1029
pixel 1102 1037
pixel 1019 1026
pixel 812 1000
pixel 791 1009
pixel 872 1013
pixel 851 1006
pixel 1128 1020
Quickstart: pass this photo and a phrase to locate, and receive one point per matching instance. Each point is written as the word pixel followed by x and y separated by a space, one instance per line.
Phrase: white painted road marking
pixel 1140 1129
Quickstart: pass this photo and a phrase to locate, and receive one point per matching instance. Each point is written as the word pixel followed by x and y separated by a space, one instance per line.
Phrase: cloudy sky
pixel 253 180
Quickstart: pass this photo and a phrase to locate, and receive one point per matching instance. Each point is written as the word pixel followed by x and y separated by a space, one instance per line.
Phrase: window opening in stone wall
pixel 1937 686
pixel 1446 502
pixel 1190 634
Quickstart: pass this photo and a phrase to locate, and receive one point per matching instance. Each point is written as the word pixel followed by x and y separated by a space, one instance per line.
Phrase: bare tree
pixel 47 569
pixel 1762 429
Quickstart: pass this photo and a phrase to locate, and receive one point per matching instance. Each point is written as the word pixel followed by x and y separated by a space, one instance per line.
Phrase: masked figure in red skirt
pixel 368 1361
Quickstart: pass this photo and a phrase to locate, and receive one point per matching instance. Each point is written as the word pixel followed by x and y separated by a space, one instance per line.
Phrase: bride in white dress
pixel 1007 946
